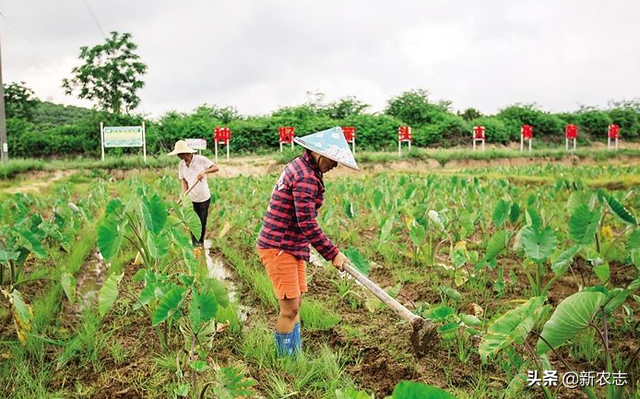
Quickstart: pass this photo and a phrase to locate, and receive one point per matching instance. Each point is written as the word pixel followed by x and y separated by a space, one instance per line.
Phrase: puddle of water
pixel 219 270
pixel 89 281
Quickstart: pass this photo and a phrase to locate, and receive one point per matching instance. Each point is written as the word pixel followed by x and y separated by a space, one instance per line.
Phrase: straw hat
pixel 181 147
pixel 330 144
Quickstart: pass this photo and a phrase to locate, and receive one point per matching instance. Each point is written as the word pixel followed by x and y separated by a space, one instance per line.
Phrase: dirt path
pixel 37 181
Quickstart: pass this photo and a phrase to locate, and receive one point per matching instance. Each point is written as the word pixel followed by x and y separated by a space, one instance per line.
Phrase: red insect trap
pixel 478 135
pixel 404 136
pixel 221 135
pixel 526 133
pixel 614 134
pixel 350 135
pixel 571 133
pixel 286 134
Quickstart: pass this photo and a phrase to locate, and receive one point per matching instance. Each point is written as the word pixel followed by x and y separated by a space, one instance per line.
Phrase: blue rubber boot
pixel 297 339
pixel 284 343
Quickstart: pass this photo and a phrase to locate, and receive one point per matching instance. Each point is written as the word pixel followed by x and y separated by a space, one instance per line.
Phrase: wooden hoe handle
pixel 188 191
pixel 403 312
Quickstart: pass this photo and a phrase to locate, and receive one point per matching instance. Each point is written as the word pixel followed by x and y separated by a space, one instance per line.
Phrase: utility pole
pixel 4 147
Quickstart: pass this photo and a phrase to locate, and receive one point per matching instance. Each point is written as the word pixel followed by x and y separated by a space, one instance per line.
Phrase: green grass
pixel 316 316
pixel 15 167
pixel 22 379
pixel 86 345
pixel 316 373
pixel 444 156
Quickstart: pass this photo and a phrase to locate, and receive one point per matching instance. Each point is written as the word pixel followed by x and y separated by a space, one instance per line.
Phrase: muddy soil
pixel 383 342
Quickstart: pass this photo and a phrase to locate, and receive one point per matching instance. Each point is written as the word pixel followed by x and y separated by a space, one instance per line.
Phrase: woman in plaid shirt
pixel 290 226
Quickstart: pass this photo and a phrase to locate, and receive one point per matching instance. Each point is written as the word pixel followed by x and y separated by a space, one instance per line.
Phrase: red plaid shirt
pixel 290 223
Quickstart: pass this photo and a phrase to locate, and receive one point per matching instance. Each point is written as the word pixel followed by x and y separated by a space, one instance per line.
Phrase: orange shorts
pixel 287 273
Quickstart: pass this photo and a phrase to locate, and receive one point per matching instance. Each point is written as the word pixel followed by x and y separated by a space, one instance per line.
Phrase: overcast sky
pixel 260 55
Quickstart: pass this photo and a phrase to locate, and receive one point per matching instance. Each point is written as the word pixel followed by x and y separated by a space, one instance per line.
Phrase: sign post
pixel 197 144
pixel 144 143
pixel 221 135
pixel 478 135
pixel 123 136
pixel 102 139
pixel 526 133
pixel 286 134
pixel 571 133
pixel 404 136
pixel 614 133
pixel 350 135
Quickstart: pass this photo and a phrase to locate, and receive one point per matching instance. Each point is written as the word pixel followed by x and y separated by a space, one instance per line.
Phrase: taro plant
pixel 593 238
pixel 538 243
pixel 584 310
pixel 346 286
pixel 177 291
pixel 29 235
pixel 170 267
pixel 460 257
pixel 456 327
pixel 199 329
pixel 511 328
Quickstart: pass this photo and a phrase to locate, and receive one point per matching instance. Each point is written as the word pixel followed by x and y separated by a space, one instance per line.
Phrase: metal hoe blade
pixel 423 337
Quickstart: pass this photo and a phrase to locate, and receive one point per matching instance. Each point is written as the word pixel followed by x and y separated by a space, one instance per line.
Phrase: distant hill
pixel 50 114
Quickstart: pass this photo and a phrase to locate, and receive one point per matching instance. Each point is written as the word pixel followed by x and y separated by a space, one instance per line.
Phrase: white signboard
pixel 197 144
pixel 123 136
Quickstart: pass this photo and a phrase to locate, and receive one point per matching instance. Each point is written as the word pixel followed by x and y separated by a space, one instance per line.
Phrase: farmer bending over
pixel 192 173
pixel 290 227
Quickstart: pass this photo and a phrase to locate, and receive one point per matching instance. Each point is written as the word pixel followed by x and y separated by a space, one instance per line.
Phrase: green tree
pixel 470 114
pixel 413 107
pixel 628 120
pixel 111 74
pixel 20 101
pixel 345 107
pixel 594 121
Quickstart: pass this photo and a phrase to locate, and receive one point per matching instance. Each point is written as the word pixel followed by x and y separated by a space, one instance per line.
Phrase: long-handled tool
pixel 188 191
pixel 185 194
pixel 424 334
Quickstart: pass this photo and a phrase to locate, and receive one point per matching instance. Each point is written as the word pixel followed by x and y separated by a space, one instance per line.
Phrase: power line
pixel 43 61
pixel 94 19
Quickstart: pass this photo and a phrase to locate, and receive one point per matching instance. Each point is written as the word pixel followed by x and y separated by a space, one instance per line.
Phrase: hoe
pixel 185 195
pixel 424 334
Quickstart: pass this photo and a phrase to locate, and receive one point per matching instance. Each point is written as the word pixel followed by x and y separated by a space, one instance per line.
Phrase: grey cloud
pixel 260 55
